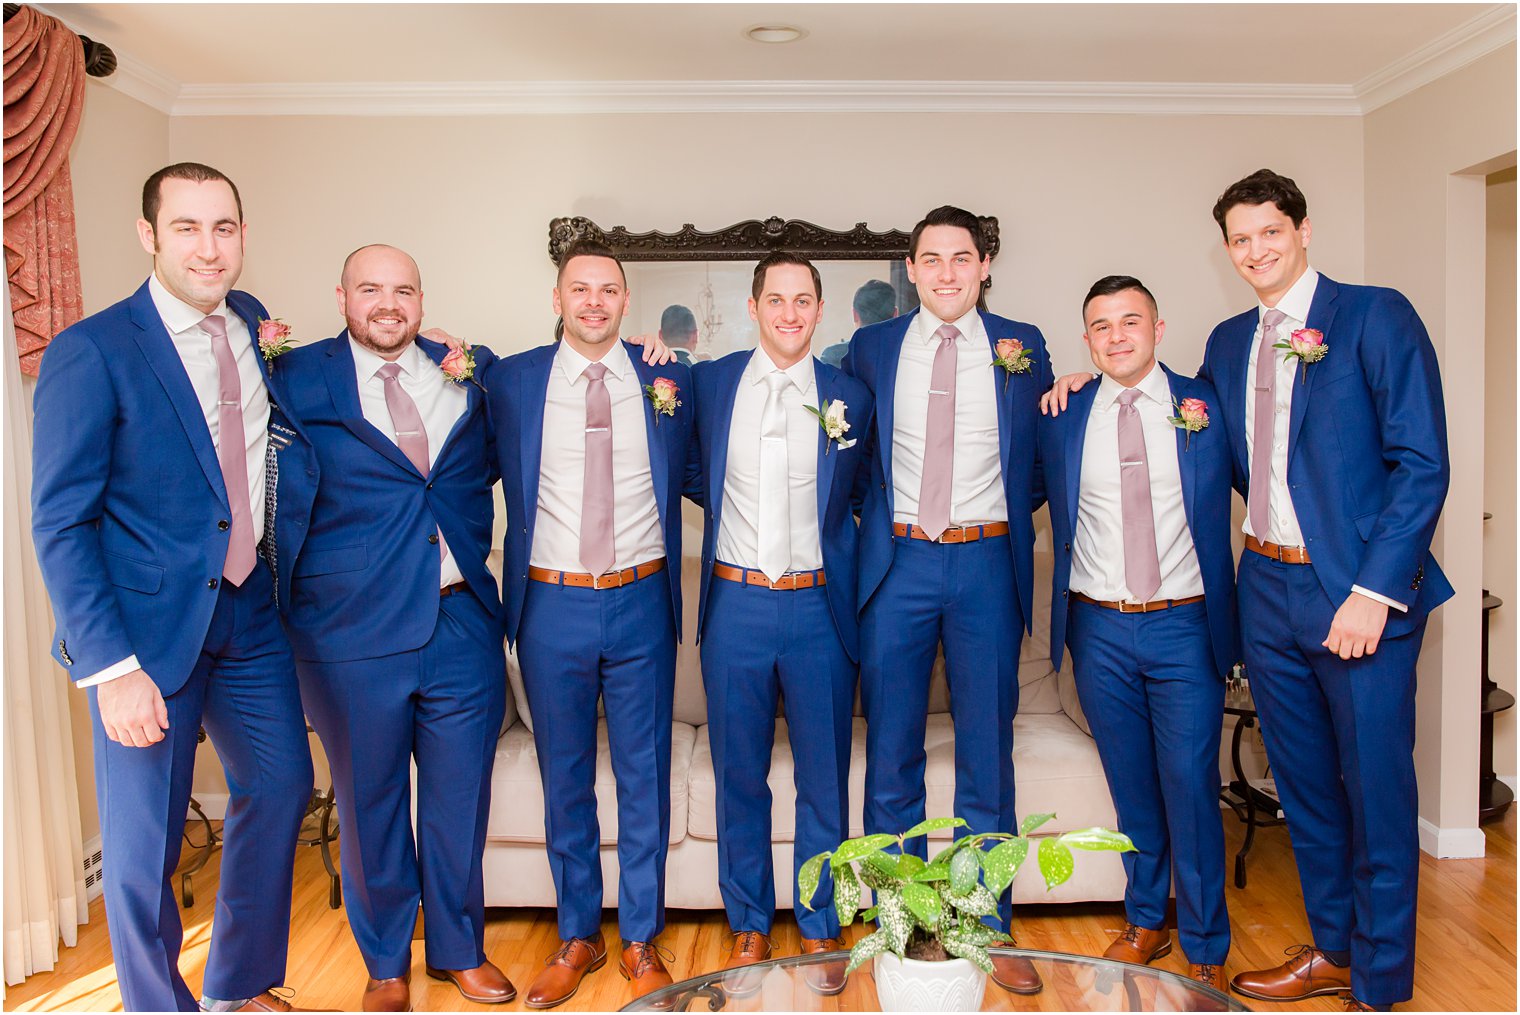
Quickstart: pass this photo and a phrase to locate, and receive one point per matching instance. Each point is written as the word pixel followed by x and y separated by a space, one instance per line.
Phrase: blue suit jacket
pixel 715 385
pixel 1367 462
pixel 1204 461
pixel 361 569
pixel 516 387
pixel 873 358
pixel 128 502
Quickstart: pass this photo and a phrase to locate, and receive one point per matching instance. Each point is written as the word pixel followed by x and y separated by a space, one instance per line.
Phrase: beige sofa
pixel 1055 761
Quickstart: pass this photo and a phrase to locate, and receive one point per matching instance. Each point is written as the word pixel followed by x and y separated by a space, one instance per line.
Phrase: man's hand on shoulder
pixel 1053 402
pixel 656 353
pixel 1357 627
pixel 132 710
pixel 439 335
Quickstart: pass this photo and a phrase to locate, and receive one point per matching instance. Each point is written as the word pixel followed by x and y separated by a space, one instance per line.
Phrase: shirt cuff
pixel 120 669
pixel 1392 604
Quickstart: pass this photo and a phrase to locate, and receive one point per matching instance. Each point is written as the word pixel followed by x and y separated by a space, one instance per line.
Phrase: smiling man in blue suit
pixel 1144 596
pixel 777 615
pixel 148 499
pixel 946 536
pixel 593 449
pixel 395 621
pixel 1339 444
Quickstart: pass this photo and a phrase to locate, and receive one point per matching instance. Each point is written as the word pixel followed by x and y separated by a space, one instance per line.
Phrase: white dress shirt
pixel 976 494
pixel 193 343
pixel 440 402
pixel 1282 519
pixel 1097 550
pixel 637 536
pixel 739 529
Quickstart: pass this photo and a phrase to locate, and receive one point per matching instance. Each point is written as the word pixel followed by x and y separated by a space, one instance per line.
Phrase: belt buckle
pixel 613 579
pixel 1131 607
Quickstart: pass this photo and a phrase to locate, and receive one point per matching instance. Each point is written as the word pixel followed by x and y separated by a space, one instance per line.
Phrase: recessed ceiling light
pixel 774 33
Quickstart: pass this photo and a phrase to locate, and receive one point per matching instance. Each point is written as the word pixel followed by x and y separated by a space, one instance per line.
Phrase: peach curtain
pixel 44 96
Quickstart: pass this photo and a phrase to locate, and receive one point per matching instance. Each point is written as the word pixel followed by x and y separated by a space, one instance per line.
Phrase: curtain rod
pixel 99 60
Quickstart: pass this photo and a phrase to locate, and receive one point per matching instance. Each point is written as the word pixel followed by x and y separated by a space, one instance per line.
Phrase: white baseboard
pixel 214 804
pixel 1451 843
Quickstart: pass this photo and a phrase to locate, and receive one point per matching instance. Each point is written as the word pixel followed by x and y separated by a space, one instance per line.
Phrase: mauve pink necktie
pixel 1142 567
pixel 939 437
pixel 411 435
pixel 596 489
pixel 1258 505
pixel 232 453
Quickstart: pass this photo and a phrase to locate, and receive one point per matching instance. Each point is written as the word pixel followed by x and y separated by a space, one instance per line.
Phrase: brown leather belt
pixel 955 534
pixel 610 580
pixel 1151 607
pixel 1286 554
pixel 449 590
pixel 789 582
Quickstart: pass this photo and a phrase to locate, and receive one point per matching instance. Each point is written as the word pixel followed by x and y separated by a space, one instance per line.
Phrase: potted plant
pixel 930 944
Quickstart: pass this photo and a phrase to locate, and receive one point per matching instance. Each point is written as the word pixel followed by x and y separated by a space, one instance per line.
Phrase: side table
pixel 1253 806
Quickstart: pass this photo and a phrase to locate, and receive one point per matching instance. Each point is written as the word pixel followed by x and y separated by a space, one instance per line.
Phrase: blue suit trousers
pixel 1155 705
pixel 759 644
pixel 243 691
pixel 575 645
pixel 441 705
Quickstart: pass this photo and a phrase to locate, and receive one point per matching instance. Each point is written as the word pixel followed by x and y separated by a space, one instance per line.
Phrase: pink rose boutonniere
pixel 1307 345
pixel 458 364
pixel 274 338
pixel 662 395
pixel 1192 416
pixel 1013 358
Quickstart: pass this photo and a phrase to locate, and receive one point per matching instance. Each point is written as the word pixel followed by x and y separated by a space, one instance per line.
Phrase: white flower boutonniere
pixel 831 418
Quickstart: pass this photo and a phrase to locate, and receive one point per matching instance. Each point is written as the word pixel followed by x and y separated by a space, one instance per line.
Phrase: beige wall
pixel 1427 155
pixel 1499 453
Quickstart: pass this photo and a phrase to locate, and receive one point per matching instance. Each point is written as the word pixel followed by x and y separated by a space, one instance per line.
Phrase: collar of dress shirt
pixel 1295 302
pixel 367 362
pixel 573 364
pixel 799 373
pixel 1153 385
pixel 970 325
pixel 177 315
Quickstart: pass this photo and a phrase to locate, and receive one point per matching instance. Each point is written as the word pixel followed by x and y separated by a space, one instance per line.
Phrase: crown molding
pixel 1446 53
pixel 573 97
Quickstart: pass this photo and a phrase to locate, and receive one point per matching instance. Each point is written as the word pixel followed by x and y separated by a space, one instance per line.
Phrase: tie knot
pixel 595 371
pixel 389 372
pixel 1272 318
pixel 776 381
pixel 214 325
pixel 947 333
pixel 1128 395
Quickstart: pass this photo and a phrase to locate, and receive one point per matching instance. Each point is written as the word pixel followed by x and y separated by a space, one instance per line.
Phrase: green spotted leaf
pixel 866 949
pixel 977 902
pixel 963 949
pixel 854 849
pixel 923 902
pixel 846 894
pixel 1056 862
pixel 808 877
pixel 933 825
pixel 1032 822
pixel 1002 863
pixel 909 865
pixel 881 863
pixel 869 915
pixel 963 871
pixel 1097 838
pixel 895 921
pixel 933 872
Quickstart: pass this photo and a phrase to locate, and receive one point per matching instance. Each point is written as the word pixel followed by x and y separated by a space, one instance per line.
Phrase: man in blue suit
pixel 1339 445
pixel 946 537
pixel 777 614
pixel 593 451
pixel 1143 593
pixel 148 504
pixel 395 622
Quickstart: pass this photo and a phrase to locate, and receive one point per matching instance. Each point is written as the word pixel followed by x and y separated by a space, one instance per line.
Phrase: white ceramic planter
pixel 912 985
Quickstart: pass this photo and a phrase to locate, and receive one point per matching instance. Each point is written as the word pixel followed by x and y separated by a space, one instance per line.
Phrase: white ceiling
pixel 198 58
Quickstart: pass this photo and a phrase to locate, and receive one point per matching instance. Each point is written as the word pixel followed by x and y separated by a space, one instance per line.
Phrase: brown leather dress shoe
pixel 1015 973
pixel 1307 973
pixel 267 1001
pixel 394 993
pixel 1138 945
pixel 1208 974
pixel 563 970
pixel 749 947
pixel 644 968
pixel 485 984
pixel 826 978
pixel 1350 1002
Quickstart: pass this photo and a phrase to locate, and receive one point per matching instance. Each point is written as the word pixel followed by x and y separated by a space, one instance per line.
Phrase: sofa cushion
pixel 517 811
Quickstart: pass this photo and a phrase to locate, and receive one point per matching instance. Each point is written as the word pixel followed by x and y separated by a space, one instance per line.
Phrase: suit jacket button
pixel 433 539
pixel 1063 593
pixel 430 486
pixel 223 525
pixel 1067 547
pixel 211 584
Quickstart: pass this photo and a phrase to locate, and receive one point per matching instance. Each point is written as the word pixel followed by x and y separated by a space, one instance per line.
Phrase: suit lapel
pixel 1080 411
pixel 533 389
pixel 474 396
pixel 1187 464
pixel 1002 394
pixel 828 459
pixel 157 347
pixel 723 422
pixel 1321 317
pixel 659 448
pixel 1234 384
pixel 235 303
pixel 343 387
pixel 890 352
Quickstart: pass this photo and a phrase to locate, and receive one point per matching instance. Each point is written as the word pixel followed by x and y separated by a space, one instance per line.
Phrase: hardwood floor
pixel 1466 948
